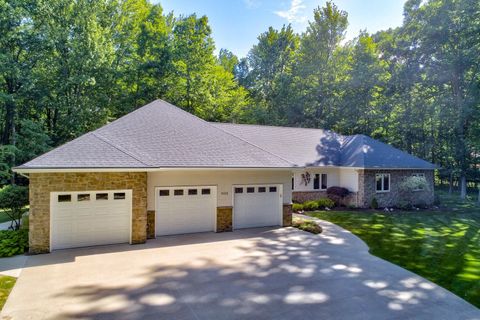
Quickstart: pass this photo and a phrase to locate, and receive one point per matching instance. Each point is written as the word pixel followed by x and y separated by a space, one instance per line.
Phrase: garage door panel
pixel 257 206
pixel 89 221
pixel 187 213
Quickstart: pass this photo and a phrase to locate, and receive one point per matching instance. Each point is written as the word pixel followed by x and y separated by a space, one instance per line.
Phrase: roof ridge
pixel 123 150
pixel 227 132
pixel 267 125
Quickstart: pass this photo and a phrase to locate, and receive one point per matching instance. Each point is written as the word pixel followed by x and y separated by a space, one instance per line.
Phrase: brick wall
pixel 224 219
pixel 41 184
pixel 287 215
pixel 367 190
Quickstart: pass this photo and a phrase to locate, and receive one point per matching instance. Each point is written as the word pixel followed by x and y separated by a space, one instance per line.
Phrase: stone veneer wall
pixel 151 224
pixel 302 196
pixel 41 184
pixel 367 191
pixel 224 219
pixel 287 215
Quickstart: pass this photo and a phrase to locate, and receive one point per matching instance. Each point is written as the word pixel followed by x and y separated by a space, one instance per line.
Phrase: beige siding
pixel 223 179
pixel 336 177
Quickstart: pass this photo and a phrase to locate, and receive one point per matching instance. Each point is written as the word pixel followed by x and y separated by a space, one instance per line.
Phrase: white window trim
pixel 389 182
pixel 418 174
pixel 320 182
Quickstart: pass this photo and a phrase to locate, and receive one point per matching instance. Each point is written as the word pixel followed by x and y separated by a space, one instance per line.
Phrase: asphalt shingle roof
pixel 160 135
pixel 316 147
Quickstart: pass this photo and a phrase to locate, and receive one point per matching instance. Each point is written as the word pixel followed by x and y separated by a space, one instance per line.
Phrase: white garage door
pixel 257 206
pixel 88 218
pixel 185 209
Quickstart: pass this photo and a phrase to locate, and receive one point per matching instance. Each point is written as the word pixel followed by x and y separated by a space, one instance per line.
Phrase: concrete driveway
pixel 250 274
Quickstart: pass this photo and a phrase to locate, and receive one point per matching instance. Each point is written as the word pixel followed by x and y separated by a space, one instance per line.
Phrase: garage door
pixel 88 218
pixel 257 206
pixel 185 209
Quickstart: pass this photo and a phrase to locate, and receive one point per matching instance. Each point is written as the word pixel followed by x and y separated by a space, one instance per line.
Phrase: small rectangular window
pixel 262 189
pixel 164 193
pixel 101 196
pixel 238 190
pixel 178 192
pixel 119 196
pixel 316 182
pixel 83 197
pixel 382 182
pixel 250 190
pixel 273 189
pixel 192 192
pixel 64 198
pixel 206 191
pixel 324 181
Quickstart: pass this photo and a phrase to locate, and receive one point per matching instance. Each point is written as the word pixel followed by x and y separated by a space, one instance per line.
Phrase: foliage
pixel 13 242
pixel 6 285
pixel 407 188
pixel 374 204
pixel 13 199
pixel 307 225
pixel 440 245
pixel 337 194
pixel 325 203
pixel 310 205
pixel 296 207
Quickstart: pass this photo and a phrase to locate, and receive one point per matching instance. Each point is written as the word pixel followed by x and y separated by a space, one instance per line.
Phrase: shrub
pixel 13 242
pixel 436 200
pixel 325 203
pixel 310 205
pixel 337 194
pixel 307 225
pixel 374 204
pixel 13 199
pixel 404 205
pixel 296 207
pixel 25 221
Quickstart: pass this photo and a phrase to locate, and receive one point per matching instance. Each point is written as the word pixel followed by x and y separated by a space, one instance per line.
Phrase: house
pixel 161 171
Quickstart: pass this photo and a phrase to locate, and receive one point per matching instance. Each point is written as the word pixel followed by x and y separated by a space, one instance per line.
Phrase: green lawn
pixel 442 245
pixel 6 285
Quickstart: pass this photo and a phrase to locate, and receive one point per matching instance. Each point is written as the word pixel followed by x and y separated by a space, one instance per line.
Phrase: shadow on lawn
pixel 440 246
pixel 283 274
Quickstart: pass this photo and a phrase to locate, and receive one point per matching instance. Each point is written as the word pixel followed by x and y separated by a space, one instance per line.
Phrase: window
pixel 382 182
pixel 419 175
pixel 205 191
pixel 83 197
pixel 250 190
pixel 272 189
pixel 178 192
pixel 101 196
pixel 164 193
pixel 64 198
pixel 320 181
pixel 238 190
pixel 192 192
pixel 324 181
pixel 119 196
pixel 262 189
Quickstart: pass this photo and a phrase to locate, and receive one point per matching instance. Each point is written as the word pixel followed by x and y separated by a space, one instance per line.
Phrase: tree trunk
pixel 7 133
pixel 463 186
pixel 478 187
pixel 450 184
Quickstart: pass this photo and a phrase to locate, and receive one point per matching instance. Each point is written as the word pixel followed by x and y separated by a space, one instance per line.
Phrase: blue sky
pixel 236 24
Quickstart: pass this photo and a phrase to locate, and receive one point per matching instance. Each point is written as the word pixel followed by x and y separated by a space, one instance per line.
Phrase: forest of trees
pixel 70 66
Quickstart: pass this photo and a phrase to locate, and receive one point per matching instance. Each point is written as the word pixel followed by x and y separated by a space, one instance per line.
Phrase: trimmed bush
pixel 307 225
pixel 374 204
pixel 325 203
pixel 310 205
pixel 337 194
pixel 13 242
pixel 296 207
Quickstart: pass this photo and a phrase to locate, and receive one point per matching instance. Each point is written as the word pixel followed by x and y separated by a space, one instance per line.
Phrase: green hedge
pixel 313 205
pixel 13 242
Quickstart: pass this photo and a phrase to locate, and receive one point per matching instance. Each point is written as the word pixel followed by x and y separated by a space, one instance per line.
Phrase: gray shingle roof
pixel 316 147
pixel 160 135
pixel 157 135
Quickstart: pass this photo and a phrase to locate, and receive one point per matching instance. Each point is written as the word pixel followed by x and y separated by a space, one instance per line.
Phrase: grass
pixel 306 225
pixel 6 285
pixel 442 245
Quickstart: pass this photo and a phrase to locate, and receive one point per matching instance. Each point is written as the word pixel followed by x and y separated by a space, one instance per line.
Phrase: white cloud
pixel 295 13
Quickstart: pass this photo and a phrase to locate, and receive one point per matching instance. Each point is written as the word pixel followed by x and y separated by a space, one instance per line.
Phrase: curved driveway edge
pixel 266 273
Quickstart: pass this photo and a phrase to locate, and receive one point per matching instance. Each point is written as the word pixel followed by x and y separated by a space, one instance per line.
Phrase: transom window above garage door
pixel 255 189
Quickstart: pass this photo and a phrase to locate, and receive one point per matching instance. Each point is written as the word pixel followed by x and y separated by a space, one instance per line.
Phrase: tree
pixel 13 200
pixel 228 60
